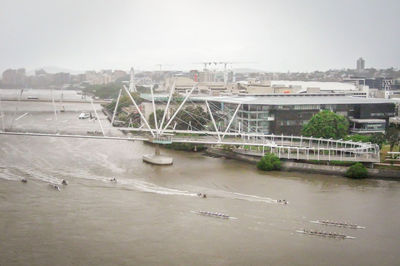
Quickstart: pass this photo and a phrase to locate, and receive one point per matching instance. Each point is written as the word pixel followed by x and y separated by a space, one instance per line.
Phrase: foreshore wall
pixel 288 165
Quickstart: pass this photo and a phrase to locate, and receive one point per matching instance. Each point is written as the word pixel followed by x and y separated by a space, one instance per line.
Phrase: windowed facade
pixel 290 119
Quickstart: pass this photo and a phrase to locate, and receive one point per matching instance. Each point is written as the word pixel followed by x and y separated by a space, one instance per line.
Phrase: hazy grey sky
pixel 281 35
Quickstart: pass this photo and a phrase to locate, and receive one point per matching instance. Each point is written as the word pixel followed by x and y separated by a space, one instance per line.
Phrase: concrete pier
pixel 157 158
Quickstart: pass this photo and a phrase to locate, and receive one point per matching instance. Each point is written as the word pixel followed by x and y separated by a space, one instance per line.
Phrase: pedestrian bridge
pixel 241 141
pixel 285 147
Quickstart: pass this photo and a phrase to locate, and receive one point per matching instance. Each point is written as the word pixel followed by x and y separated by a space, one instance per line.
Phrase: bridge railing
pixel 294 147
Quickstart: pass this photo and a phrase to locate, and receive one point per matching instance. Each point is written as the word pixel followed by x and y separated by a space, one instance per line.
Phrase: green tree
pixel 188 116
pixel 392 136
pixel 160 114
pixel 358 138
pixel 124 101
pixel 194 116
pixel 357 171
pixel 326 124
pixel 269 162
pixel 377 138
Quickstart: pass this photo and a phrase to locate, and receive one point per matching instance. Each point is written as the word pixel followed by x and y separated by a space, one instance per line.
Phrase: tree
pixel 392 136
pixel 191 116
pixel 378 138
pixel 358 138
pixel 187 118
pixel 357 171
pixel 269 162
pixel 326 124
pixel 160 114
pixel 124 101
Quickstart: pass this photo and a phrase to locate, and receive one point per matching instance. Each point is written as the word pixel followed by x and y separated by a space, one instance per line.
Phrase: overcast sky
pixel 281 35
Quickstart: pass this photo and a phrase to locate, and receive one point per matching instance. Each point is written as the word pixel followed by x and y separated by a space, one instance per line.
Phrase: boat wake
pixel 217 193
pixel 153 188
pixel 128 183
pixel 253 198
pixel 7 174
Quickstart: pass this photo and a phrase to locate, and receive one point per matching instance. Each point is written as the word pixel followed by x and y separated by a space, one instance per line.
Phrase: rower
pixel 204 196
pixel 55 187
pixel 64 182
pixel 24 180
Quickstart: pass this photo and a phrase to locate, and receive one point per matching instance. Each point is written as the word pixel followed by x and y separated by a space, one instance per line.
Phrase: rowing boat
pixel 214 214
pixel 324 234
pixel 338 224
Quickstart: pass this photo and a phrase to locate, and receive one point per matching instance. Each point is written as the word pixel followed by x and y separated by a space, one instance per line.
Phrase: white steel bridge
pixel 252 144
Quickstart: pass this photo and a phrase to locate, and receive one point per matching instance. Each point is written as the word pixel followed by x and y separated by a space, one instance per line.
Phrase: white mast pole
pixel 98 118
pixel 212 118
pixel 116 106
pixel 140 113
pixel 179 108
pixel 166 108
pixel 230 122
pixel 154 109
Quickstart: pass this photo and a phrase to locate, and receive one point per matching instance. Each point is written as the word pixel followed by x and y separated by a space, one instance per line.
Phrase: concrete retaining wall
pixel 288 165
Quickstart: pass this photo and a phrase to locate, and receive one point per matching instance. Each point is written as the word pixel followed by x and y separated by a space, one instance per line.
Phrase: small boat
pixel 338 224
pixel 84 116
pixel 56 187
pixel 24 180
pixel 324 234
pixel 282 201
pixel 214 214
pixel 202 195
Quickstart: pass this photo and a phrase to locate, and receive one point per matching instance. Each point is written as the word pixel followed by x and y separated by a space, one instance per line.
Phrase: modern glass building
pixel 277 114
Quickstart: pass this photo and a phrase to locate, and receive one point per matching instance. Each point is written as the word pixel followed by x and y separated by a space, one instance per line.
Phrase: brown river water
pixel 148 217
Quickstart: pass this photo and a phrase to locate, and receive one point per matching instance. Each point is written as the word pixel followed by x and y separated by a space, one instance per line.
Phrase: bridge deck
pixel 283 149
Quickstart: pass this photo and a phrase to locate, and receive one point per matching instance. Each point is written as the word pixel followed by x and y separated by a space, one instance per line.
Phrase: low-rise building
pixel 286 114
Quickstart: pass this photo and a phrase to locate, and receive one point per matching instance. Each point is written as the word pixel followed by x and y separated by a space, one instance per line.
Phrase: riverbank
pixel 296 166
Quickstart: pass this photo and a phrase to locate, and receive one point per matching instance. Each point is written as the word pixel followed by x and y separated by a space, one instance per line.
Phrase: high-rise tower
pixel 360 64
pixel 132 87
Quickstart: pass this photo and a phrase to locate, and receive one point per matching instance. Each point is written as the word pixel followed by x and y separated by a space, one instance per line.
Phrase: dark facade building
pixel 286 114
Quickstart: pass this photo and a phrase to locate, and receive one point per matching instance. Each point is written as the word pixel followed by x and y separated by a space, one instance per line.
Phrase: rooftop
pixel 324 86
pixel 302 99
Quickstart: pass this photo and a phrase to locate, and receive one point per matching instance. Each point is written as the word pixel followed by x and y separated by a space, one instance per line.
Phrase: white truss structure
pixel 253 144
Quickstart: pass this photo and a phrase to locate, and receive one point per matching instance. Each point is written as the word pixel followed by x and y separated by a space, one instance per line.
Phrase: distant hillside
pixel 55 69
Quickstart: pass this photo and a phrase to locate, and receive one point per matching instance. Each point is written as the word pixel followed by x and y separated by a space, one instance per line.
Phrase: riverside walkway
pixel 287 147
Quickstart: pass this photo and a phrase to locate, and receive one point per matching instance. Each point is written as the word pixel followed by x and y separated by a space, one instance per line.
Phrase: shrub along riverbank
pixel 357 171
pixel 269 162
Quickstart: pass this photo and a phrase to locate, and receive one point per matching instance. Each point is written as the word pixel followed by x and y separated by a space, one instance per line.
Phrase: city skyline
pixel 301 36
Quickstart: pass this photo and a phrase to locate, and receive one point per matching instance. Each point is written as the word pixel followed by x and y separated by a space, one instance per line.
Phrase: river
pixel 147 217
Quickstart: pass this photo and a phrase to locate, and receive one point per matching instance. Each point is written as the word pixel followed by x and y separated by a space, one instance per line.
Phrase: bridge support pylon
pixel 157 158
